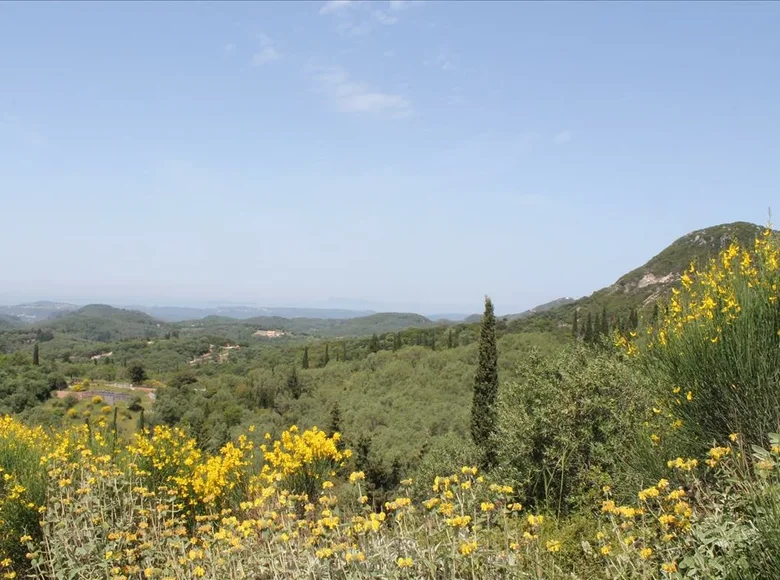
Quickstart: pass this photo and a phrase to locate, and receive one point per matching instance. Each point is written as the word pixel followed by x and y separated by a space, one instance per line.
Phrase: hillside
pixel 477 318
pixel 321 327
pixel 37 311
pixel 182 313
pixel 7 322
pixel 642 287
pixel 102 323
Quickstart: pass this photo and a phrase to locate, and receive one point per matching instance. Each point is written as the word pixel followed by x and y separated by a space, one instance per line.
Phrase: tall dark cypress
pixel 433 339
pixel 335 419
pixel 373 346
pixel 575 326
pixel 36 355
pixel 344 351
pixel 450 342
pixel 326 358
pixel 483 408
pixel 305 359
pixel 589 329
pixel 294 384
pixel 397 341
pixel 604 321
pixel 633 319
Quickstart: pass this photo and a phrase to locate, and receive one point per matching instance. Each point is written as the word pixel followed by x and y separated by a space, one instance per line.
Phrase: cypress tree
pixel 596 326
pixel 575 329
pixel 433 339
pixel 373 346
pixel 36 355
pixel 363 453
pixel 419 338
pixel 450 342
pixel 397 342
pixel 655 313
pixel 335 419
pixel 483 409
pixel 326 358
pixel 294 384
pixel 305 359
pixel 589 329
pixel 344 351
pixel 633 319
pixel 604 321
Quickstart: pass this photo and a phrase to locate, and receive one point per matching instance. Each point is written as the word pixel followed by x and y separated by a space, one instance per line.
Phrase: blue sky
pixel 409 155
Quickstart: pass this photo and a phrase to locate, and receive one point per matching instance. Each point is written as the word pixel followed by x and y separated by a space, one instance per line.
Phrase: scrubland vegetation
pixel 648 451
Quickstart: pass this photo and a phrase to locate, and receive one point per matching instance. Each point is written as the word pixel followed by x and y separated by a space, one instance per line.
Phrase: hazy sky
pixel 411 155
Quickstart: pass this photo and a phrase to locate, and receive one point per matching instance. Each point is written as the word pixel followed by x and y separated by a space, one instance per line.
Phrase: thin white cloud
pixel 563 137
pixel 355 27
pixel 385 17
pixel 359 18
pixel 334 6
pixel 267 53
pixel 264 39
pixel 441 60
pixel 403 4
pixel 351 96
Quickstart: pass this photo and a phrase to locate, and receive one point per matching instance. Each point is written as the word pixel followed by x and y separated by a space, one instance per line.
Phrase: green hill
pixel 643 287
pixel 477 318
pixel 102 323
pixel 321 327
pixel 8 322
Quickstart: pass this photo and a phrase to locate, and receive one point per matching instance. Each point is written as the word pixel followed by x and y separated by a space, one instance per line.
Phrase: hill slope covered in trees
pixel 640 289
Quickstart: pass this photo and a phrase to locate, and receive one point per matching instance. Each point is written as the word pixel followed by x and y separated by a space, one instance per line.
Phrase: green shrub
pixel 567 421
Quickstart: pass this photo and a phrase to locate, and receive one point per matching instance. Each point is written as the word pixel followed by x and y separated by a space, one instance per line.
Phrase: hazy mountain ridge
pixel 638 289
pixel 33 312
pixel 182 313
pixel 474 318
pixel 103 323
pixel 8 322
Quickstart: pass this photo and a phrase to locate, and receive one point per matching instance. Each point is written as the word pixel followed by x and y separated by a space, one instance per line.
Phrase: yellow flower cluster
pixel 709 296
pixel 299 460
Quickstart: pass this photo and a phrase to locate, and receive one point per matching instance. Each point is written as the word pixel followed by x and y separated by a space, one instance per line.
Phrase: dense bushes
pixel 566 421
pixel 22 384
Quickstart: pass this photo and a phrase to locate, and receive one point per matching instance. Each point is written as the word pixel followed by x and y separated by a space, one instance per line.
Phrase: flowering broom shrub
pixel 102 516
pixel 718 347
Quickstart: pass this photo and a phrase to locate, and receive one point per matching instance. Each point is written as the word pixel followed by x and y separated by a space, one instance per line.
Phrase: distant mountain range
pixel 638 289
pixel 36 312
pixel 525 314
pixel 181 313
